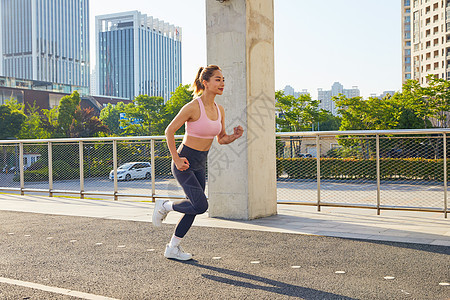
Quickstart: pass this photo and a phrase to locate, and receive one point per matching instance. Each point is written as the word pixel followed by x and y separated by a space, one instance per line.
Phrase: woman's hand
pixel 181 163
pixel 238 131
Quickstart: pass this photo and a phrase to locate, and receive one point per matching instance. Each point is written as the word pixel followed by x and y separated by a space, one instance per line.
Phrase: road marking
pixel 55 290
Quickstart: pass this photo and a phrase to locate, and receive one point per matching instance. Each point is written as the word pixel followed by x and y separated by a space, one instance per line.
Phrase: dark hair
pixel 197 86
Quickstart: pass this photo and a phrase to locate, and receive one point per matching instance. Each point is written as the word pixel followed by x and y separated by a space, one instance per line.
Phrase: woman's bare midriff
pixel 197 143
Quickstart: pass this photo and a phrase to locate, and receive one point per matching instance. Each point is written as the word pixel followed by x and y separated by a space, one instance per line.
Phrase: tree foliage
pixel 431 102
pixel 180 97
pixel 110 116
pixel 33 127
pixel 143 116
pixel 146 115
pixel 12 118
pixel 297 114
pixel 66 112
pixel 86 124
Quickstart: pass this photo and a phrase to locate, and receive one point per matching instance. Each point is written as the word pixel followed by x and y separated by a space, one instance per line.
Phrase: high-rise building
pixel 137 54
pixel 383 95
pixel 45 40
pixel 406 40
pixel 93 87
pixel 326 97
pixel 289 90
pixel 425 39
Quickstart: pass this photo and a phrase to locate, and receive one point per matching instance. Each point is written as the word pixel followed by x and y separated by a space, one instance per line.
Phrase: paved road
pixel 123 260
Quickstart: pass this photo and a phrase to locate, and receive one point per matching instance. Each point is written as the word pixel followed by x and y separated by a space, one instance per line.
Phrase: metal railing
pixel 382 170
pixel 87 167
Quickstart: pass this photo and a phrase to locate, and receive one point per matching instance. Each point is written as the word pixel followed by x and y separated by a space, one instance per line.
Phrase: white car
pixel 132 170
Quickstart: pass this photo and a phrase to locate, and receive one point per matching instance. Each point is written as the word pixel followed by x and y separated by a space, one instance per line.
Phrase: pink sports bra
pixel 204 127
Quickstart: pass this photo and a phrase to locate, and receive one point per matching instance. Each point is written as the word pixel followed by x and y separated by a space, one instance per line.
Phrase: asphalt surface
pixel 124 260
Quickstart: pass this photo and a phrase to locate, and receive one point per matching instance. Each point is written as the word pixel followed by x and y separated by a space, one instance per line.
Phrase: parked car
pixel 304 155
pixel 132 170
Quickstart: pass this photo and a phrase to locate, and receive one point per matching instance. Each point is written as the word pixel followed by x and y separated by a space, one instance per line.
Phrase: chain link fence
pixel 403 169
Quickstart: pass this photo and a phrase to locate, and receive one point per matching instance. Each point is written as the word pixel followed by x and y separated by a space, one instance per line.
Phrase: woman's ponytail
pixel 197 86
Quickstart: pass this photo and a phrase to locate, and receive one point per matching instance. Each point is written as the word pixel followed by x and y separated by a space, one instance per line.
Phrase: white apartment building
pixel 326 97
pixel 289 90
pixel 425 39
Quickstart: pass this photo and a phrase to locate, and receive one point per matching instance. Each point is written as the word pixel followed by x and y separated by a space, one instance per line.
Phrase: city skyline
pixel 316 43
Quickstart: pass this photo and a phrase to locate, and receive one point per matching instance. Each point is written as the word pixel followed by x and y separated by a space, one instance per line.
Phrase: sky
pixel 354 42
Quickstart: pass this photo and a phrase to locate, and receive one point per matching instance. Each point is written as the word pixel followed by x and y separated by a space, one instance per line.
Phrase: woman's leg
pixel 193 184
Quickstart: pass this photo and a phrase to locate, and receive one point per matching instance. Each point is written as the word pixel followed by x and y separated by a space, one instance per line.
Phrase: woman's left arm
pixel 223 138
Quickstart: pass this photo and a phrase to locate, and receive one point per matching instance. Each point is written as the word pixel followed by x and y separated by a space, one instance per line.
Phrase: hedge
pixel 298 168
pixel 352 168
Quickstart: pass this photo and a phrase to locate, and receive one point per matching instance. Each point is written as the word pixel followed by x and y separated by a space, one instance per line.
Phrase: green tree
pixel 66 112
pixel 33 127
pixel 50 122
pixel 371 114
pixel 143 116
pixel 180 97
pixel 86 124
pixel 110 116
pixel 297 114
pixel 11 122
pixel 330 122
pixel 431 102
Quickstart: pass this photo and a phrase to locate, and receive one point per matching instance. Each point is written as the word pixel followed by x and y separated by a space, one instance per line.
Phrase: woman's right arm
pixel 185 113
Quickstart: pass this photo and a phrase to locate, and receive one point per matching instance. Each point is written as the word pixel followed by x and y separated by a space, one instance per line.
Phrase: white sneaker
pixel 159 213
pixel 176 253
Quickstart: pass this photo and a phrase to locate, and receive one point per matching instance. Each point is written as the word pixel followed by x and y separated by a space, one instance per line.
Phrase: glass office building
pixel 137 54
pixel 45 40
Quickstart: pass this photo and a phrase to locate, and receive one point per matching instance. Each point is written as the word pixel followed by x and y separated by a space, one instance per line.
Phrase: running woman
pixel 204 119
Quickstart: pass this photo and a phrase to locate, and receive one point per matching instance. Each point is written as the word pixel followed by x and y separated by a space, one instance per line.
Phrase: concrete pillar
pixel 242 175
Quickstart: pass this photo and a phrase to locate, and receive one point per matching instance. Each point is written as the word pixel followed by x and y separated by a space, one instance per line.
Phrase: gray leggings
pixel 193 182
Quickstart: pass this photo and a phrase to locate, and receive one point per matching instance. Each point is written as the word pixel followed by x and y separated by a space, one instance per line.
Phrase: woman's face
pixel 215 84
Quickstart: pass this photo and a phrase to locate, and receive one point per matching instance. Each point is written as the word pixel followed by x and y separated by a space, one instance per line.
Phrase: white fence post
pixel 378 175
pixel 445 175
pixel 50 170
pixel 81 148
pixel 21 175
pixel 152 158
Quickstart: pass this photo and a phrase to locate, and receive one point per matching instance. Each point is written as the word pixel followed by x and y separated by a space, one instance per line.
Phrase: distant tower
pixel 326 97
pixel 137 54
